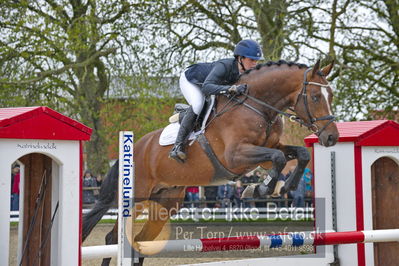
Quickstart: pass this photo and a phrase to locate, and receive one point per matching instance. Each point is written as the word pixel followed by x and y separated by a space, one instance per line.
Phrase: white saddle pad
pixel 169 133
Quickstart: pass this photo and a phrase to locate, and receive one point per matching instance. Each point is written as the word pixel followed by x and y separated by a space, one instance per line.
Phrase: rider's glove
pixel 238 89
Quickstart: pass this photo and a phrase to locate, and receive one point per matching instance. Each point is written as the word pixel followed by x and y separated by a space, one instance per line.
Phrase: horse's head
pixel 313 104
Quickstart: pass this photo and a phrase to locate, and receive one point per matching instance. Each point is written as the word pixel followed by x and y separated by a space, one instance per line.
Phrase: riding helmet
pixel 248 48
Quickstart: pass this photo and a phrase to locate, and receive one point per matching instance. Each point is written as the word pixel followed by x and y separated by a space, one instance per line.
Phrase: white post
pixel 126 196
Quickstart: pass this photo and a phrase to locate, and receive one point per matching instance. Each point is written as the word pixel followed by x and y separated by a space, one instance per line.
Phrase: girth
pixel 221 173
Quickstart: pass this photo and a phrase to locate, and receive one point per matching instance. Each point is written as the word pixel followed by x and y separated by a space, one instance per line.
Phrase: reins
pixel 292 117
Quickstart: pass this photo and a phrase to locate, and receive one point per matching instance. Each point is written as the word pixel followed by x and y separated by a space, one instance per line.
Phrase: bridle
pixel 312 126
pixel 293 118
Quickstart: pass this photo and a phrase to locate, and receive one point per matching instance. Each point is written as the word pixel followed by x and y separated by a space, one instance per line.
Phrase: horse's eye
pixel 315 98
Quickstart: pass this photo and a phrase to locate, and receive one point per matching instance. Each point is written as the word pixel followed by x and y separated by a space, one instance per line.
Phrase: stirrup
pixel 178 154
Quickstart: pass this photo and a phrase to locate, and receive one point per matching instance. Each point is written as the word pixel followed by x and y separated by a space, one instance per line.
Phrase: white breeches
pixel 192 93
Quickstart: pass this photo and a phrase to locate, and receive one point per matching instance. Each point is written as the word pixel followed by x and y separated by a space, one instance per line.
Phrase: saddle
pixel 169 134
pixel 180 110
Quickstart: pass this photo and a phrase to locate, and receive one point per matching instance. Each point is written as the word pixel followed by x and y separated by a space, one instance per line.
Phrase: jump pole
pixel 253 242
pixel 268 241
pixel 103 251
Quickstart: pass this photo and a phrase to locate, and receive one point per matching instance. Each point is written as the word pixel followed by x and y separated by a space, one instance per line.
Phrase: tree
pixel 364 38
pixel 206 30
pixel 63 54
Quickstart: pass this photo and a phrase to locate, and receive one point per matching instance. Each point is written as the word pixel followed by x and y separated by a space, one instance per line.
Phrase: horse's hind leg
pixel 303 157
pixel 111 238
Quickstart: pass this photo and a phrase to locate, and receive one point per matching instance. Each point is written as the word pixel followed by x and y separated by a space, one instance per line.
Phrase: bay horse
pixel 244 133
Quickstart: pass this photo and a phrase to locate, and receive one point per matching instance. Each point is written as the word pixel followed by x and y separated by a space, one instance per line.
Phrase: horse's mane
pixel 273 63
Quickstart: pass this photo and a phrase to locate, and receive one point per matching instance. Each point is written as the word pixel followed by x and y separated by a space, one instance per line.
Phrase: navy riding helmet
pixel 248 48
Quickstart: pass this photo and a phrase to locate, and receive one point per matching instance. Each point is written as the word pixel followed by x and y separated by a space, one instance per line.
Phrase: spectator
pixel 89 181
pixel 298 195
pixel 192 194
pixel 255 177
pixel 245 179
pixel 99 180
pixel 225 193
pixel 280 199
pixel 307 175
pixel 238 202
pixel 308 180
pixel 15 179
pixel 211 195
pixel 96 192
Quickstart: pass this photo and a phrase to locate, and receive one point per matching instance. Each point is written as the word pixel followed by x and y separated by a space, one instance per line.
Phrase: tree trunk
pixel 270 17
pixel 93 83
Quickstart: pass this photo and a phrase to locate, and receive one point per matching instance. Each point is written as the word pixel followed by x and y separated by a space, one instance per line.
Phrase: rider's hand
pixel 238 89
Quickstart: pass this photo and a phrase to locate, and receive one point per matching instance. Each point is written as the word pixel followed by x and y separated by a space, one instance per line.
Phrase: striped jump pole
pixel 250 242
pixel 268 241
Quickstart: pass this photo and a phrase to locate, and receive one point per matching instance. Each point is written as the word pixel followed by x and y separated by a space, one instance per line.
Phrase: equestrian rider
pixel 204 79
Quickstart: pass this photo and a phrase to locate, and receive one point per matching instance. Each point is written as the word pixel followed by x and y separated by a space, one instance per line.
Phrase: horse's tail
pixel 106 197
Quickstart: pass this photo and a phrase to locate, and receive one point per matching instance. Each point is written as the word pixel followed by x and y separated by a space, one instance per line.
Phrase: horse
pixel 244 133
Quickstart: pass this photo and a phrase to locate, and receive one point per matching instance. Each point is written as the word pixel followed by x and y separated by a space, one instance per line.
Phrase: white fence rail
pixel 289 213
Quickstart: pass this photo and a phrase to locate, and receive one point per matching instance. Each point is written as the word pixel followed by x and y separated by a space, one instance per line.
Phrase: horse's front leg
pixel 303 157
pixel 247 154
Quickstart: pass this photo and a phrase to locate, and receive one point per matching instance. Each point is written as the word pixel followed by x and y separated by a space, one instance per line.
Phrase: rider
pixel 211 79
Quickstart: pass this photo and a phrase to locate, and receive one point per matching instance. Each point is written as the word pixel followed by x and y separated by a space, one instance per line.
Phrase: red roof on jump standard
pixel 40 122
pixel 365 133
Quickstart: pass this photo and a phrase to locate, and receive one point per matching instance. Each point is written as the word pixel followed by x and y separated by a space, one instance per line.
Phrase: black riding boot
pixel 186 126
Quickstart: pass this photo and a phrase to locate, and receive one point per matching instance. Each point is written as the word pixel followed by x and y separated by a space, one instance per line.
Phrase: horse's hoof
pixel 248 192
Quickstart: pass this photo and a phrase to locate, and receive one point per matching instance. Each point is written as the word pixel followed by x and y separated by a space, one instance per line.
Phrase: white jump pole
pixel 94 252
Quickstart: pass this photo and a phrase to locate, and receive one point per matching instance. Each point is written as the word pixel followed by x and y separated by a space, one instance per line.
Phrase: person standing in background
pixel 89 182
pixel 192 194
pixel 211 195
pixel 225 193
pixel 15 180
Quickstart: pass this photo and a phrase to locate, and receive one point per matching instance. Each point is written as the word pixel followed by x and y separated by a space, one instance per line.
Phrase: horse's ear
pixel 327 69
pixel 316 68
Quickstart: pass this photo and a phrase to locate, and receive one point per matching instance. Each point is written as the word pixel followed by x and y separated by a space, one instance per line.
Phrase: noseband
pixel 294 118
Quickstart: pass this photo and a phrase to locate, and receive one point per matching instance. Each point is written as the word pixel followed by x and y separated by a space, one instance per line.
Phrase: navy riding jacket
pixel 214 78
